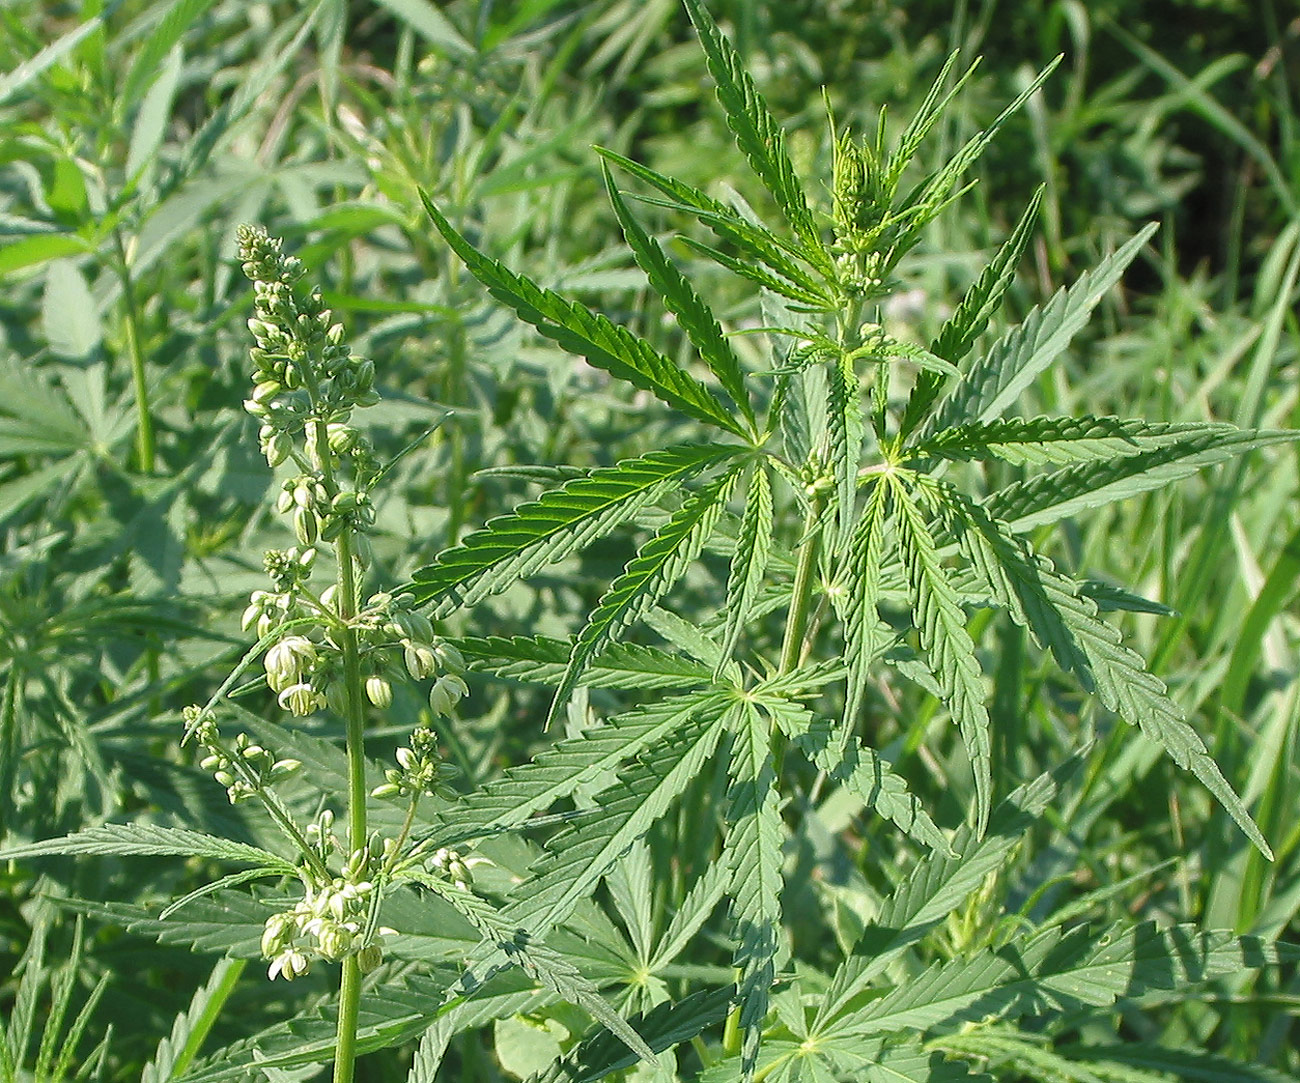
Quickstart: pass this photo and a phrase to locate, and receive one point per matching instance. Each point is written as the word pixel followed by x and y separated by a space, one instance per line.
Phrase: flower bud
pixel 369 957
pixel 300 700
pixel 446 692
pixel 379 691
pixel 420 661
pixel 306 526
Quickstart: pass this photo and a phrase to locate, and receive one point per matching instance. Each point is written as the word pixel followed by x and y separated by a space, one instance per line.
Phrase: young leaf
pixel 964 326
pixel 749 564
pixel 578 857
pixel 555 524
pixel 949 651
pixel 750 237
pixel 757 133
pixel 657 565
pixel 576 328
pixel 681 299
pixel 753 849
pixel 995 381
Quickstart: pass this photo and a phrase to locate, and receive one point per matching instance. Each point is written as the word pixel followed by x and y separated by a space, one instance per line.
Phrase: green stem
pixel 350 985
pixel 146 461
pixel 345 1049
pixel 796 623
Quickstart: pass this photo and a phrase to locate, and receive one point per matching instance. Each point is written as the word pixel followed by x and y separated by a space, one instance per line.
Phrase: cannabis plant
pixel 866 501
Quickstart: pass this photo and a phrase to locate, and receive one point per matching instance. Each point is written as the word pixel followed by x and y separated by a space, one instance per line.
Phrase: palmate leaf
pixel 149 840
pixel 679 296
pixel 748 236
pixel 1063 969
pixel 580 855
pixel 757 133
pixel 947 646
pixel 542 660
pixel 935 191
pixel 657 565
pixel 545 966
pixel 1080 439
pixel 572 764
pixel 995 381
pixel 1049 498
pixel 753 851
pixel 576 328
pixel 557 523
pixel 749 563
pixel 938 884
pixel 1061 618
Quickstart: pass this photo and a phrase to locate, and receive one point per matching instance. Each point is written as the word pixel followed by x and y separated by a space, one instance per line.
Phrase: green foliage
pixel 656 647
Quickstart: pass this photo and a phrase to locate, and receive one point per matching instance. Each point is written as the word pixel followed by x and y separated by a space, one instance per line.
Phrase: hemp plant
pixel 855 489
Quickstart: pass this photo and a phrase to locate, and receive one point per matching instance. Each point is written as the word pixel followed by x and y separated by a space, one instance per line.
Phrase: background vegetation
pixel 135 136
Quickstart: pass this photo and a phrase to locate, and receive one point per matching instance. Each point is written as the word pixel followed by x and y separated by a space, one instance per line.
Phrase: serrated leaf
pixel 996 380
pixel 557 523
pixel 576 328
pixel 1049 498
pixel 541 660
pixel 757 133
pixel 148 840
pixel 753 851
pixel 749 563
pixel 750 237
pixel 1190 1066
pixel 579 856
pixel 664 1027
pixel 679 296
pixel 936 886
pixel 948 648
pixel 574 763
pixel 845 428
pixel 69 312
pixel 657 565
pixel 1038 440
pixel 754 273
pixel 1065 621
pixel 910 1063
pixel 863 772
pixel 1066 970
pixel 863 640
